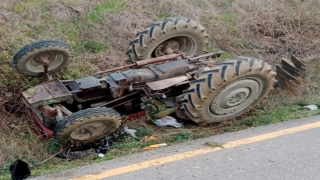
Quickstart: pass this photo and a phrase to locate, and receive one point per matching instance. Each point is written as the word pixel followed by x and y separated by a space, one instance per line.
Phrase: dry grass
pixel 266 29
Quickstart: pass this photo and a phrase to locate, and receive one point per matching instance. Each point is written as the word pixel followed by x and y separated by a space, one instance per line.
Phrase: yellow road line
pixel 197 152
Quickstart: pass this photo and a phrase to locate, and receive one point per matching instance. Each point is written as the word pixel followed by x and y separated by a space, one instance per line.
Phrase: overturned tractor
pixel 168 65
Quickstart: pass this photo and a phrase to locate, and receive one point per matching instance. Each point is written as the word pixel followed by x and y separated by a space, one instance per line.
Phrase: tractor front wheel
pixel 87 126
pixel 31 58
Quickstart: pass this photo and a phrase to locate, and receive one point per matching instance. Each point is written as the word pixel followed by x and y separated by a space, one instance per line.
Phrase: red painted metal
pixel 39 127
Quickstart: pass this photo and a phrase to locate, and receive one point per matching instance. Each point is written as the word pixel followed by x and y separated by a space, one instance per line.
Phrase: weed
pixel 302 102
pixel 53 145
pixel 110 6
pixel 76 73
pixel 224 4
pixel 128 143
pixel 21 6
pixel 225 55
pixel 69 29
pixel 181 136
pixel 164 15
pixel 276 115
pixel 142 131
pixel 90 46
pixel 228 20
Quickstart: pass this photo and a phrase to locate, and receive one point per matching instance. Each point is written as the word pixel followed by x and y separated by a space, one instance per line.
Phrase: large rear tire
pixel 87 126
pixel 164 37
pixel 27 60
pixel 228 90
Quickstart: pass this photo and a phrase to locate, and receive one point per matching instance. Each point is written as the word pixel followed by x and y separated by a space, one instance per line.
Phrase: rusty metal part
pixel 91 94
pixel 142 63
pixel 157 59
pixel 50 92
pixel 290 74
pixel 171 69
pixel 149 94
pixel 298 63
pixel 47 76
pixel 207 55
pixel 121 84
pixel 125 102
pixel 48 110
pixel 59 116
pixel 63 109
pixel 114 69
pixel 283 73
pixel 114 101
pixel 139 75
pixel 88 89
pixel 165 83
pixel 44 59
pixel 128 107
pixel 289 67
pixel 166 48
pixel 181 114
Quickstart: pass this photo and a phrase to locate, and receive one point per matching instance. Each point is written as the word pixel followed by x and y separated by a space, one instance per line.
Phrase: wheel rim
pixel 89 130
pixel 169 46
pixel 236 97
pixel 53 58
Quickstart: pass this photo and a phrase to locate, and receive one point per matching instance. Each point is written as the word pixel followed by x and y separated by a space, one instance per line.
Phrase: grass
pixel 99 32
pixel 164 15
pixel 109 6
pixel 21 7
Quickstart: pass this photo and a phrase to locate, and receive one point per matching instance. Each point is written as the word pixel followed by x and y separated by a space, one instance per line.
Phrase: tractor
pixel 168 66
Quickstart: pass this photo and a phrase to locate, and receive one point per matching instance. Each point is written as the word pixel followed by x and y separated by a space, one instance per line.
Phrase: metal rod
pixel 157 59
pixel 217 54
pixel 64 109
pixel 130 100
pixel 114 69
pixel 142 63
pixel 123 97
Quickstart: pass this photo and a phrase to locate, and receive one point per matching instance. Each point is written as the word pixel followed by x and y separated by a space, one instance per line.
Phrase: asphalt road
pixel 283 151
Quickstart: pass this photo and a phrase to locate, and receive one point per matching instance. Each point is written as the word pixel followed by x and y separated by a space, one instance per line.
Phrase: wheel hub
pixel 235 97
pixel 52 59
pixel 167 47
pixel 89 130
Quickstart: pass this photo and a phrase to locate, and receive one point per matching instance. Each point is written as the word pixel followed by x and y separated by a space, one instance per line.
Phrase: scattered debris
pixel 168 121
pixel 146 139
pixel 311 107
pixel 19 170
pixel 73 154
pixel 100 147
pixel 131 132
pixel 100 155
pixel 155 146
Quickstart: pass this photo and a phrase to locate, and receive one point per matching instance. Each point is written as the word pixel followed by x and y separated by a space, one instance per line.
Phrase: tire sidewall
pixel 22 66
pixel 264 84
pixel 67 133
